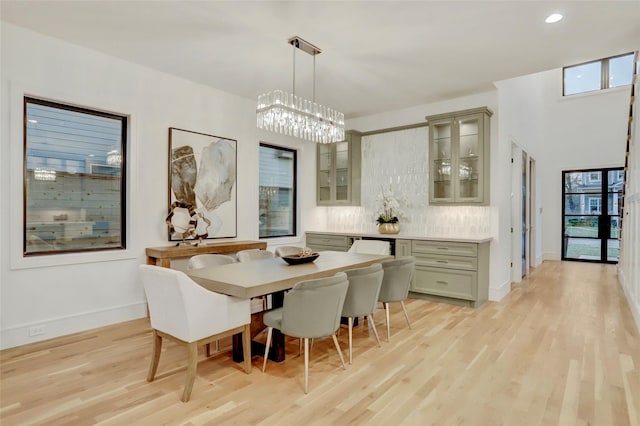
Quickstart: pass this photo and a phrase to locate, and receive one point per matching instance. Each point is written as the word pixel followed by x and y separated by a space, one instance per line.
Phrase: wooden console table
pixel 161 256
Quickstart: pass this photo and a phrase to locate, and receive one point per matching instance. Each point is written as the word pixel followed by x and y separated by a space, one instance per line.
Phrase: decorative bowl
pixel 296 259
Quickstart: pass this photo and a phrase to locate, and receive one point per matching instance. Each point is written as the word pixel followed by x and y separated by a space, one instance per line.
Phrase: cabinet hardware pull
pixel 442 261
pixel 443 248
pixel 442 282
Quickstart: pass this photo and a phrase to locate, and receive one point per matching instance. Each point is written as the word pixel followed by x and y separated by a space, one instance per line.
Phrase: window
pixel 74 179
pixel 594 177
pixel 594 205
pixel 277 191
pixel 598 75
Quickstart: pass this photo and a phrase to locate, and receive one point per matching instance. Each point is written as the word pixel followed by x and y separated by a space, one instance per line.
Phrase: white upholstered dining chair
pixel 287 250
pixel 209 259
pixel 190 315
pixel 253 254
pixel 370 247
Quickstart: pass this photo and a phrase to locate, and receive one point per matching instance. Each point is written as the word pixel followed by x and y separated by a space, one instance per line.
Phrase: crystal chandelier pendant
pixel 288 114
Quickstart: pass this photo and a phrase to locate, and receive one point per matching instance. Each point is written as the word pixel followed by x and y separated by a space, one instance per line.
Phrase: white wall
pixel 73 292
pixel 629 266
pixel 561 133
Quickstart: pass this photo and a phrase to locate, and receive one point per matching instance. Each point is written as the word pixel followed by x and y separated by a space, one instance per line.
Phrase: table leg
pixel 276 353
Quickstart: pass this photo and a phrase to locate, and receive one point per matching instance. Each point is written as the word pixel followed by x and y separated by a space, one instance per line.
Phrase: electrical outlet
pixel 36 330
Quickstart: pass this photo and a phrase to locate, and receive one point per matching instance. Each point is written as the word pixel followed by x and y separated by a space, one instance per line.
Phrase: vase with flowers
pixel 388 212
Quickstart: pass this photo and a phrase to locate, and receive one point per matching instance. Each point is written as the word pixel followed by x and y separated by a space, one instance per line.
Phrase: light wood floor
pixel 561 349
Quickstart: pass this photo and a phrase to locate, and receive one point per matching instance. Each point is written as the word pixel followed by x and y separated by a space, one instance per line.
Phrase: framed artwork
pixel 202 186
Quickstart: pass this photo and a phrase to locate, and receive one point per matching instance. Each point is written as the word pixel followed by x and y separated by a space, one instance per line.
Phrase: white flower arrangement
pixel 388 206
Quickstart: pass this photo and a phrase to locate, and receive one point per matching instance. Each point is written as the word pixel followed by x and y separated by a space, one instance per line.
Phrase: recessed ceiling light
pixel 554 17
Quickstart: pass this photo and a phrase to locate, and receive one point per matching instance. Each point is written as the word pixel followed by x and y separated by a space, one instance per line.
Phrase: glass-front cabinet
pixel 459 145
pixel 338 171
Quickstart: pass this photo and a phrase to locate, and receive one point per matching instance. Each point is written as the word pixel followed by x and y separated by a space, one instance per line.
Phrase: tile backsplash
pixel 398 161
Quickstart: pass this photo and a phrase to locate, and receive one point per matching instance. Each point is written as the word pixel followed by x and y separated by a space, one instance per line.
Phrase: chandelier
pixel 288 114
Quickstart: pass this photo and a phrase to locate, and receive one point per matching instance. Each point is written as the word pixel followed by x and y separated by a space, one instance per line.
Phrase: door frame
pixel 603 226
pixel 521 161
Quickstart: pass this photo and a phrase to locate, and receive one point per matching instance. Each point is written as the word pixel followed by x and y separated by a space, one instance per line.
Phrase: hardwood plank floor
pixel 560 349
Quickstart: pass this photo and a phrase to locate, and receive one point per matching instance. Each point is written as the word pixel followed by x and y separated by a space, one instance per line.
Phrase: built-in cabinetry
pixel 320 242
pixel 338 172
pixel 459 157
pixel 453 271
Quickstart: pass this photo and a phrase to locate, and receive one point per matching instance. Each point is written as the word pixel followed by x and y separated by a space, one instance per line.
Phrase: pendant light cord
pixel 294 69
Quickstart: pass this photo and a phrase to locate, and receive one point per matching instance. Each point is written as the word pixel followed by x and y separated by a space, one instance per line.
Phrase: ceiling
pixel 376 55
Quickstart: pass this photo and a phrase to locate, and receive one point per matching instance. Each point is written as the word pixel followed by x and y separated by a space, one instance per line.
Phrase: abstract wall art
pixel 202 181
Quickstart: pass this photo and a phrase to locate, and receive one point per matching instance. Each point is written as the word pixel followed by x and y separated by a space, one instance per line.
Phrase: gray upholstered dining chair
pixel 190 315
pixel 370 247
pixel 311 309
pixel 253 254
pixel 287 250
pixel 203 260
pixel 362 298
pixel 395 285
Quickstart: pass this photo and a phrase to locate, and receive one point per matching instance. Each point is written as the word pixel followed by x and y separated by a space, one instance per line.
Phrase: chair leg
pixel 386 313
pixel 246 347
pixel 155 357
pixel 306 365
pixel 192 348
pixel 405 314
pixel 266 348
pixel 350 321
pixel 372 326
pixel 335 340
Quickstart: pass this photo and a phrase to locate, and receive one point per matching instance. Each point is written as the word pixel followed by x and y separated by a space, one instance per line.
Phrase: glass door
pixel 468 155
pixel 342 171
pixel 591 221
pixel 325 164
pixel 441 156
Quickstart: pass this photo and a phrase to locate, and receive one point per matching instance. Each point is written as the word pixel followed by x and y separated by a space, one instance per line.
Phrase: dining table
pixel 273 276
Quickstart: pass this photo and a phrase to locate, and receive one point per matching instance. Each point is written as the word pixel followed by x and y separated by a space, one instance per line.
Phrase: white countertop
pixel 406 236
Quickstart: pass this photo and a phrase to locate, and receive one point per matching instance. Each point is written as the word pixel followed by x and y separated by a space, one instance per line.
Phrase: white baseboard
pixel 56 327
pixel 538 261
pixel 496 294
pixel 633 306
pixel 551 256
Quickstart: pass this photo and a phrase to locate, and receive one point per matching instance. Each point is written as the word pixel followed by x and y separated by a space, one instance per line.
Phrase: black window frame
pixel 604 73
pixel 123 176
pixel 295 191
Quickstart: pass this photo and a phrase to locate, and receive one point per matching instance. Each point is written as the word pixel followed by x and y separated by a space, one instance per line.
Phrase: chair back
pixel 287 250
pixel 370 247
pixel 313 308
pixel 364 288
pixel 203 260
pixel 396 279
pixel 253 254
pixel 180 307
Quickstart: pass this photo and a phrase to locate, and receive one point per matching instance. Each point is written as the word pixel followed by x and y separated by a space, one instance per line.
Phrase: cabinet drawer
pixel 447 261
pixel 328 242
pixel 445 282
pixel 445 248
